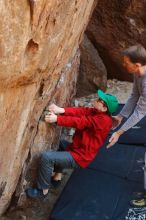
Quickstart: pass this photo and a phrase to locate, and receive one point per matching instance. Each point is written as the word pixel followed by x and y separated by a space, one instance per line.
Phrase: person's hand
pixel 116 121
pixel 56 109
pixel 50 117
pixel 114 138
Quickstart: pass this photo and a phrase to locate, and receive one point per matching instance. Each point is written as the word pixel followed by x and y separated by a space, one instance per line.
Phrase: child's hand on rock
pixel 56 109
pixel 51 117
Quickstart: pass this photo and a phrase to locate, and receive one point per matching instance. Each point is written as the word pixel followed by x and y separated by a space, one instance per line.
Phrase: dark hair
pixel 136 53
pixel 107 111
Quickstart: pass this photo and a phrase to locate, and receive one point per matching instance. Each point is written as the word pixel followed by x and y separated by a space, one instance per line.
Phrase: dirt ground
pixel 40 210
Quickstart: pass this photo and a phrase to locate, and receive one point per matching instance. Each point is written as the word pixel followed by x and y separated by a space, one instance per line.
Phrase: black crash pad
pixel 93 195
pixel 103 190
pixel 125 161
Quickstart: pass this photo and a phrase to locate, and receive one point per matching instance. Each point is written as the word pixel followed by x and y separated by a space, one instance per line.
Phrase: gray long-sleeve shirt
pixel 135 108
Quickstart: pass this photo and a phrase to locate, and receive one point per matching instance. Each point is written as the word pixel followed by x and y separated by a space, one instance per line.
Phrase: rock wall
pixel 39 64
pixel 114 26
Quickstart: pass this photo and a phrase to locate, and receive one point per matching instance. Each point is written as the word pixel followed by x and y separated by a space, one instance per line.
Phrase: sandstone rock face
pixel 92 74
pixel 39 64
pixel 114 26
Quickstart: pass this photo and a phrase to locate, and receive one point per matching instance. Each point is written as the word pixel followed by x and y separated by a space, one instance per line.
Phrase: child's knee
pixel 46 156
pixel 43 156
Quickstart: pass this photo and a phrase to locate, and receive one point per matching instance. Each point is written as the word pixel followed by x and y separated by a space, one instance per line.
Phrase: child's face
pixel 100 105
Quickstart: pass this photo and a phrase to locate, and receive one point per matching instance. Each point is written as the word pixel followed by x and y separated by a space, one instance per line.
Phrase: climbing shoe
pixel 55 183
pixel 35 193
pixel 138 203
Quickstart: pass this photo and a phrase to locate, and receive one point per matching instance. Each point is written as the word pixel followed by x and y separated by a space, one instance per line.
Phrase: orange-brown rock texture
pixel 39 43
pixel 117 24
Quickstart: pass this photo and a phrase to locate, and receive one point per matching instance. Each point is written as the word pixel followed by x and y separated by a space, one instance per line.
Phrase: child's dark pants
pixel 54 161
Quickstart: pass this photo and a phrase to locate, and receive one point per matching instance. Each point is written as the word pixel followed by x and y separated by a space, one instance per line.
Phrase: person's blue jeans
pixel 54 161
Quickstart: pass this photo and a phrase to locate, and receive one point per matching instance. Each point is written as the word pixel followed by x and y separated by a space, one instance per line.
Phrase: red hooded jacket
pixel 92 128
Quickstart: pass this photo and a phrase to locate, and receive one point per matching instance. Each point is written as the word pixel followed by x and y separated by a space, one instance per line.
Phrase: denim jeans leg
pixel 62 146
pixel 47 163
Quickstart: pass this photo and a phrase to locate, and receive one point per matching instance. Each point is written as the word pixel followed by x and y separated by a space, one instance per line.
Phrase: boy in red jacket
pixel 92 127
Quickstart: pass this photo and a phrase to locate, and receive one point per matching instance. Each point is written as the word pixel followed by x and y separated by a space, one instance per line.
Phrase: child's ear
pixel 105 109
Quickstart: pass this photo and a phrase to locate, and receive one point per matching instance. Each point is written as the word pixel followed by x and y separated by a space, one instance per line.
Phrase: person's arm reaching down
pixel 128 107
pixel 131 102
pixel 115 137
pixel 138 114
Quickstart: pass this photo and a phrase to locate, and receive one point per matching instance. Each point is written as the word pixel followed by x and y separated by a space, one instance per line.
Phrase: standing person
pixel 92 127
pixel 134 61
